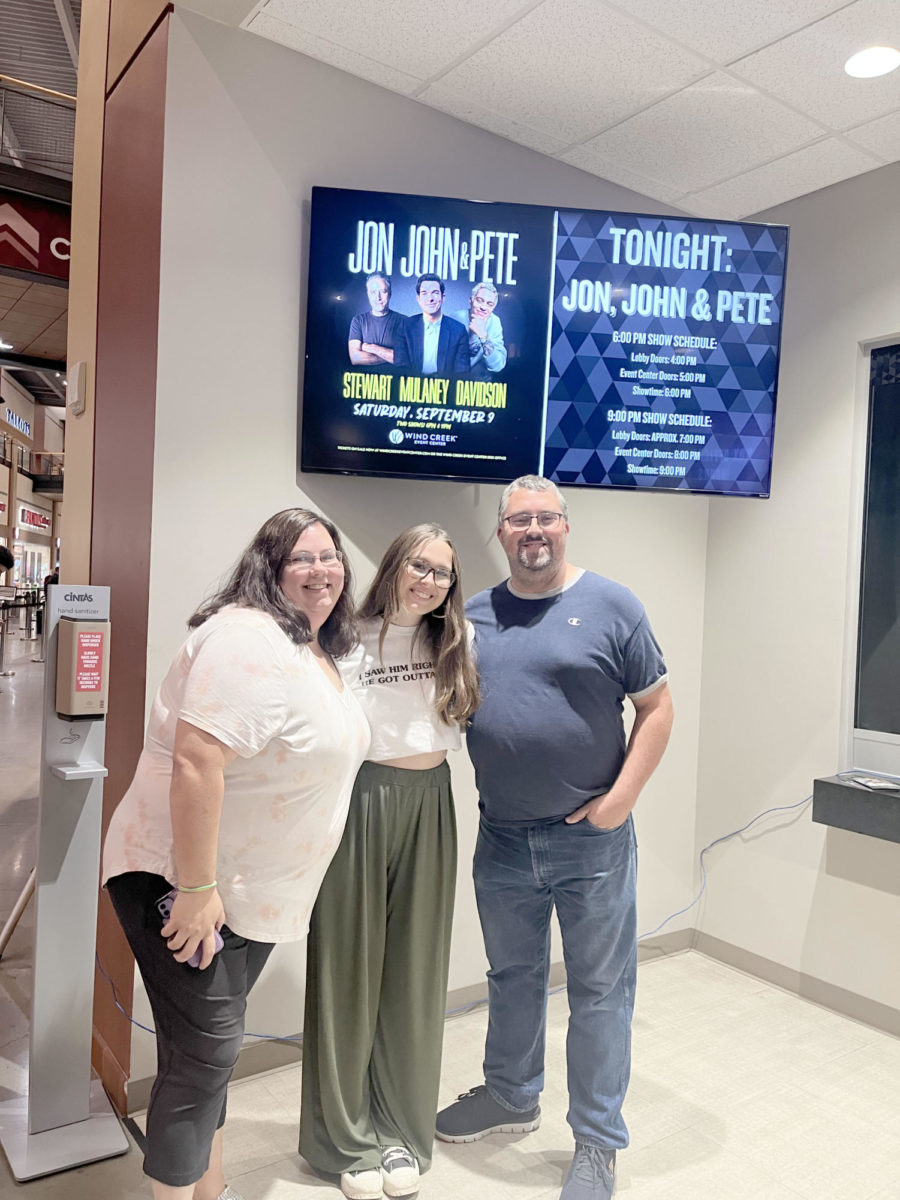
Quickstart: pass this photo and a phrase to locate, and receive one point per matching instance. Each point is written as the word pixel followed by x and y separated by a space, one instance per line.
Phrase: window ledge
pixel 847 805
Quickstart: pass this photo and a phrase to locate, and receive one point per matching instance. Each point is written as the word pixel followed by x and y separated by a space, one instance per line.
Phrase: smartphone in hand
pixel 164 907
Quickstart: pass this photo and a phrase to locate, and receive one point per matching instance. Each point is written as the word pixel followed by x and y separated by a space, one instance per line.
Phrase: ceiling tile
pixel 409 36
pixel 807 68
pixel 335 56
pixel 724 30
pixel 589 158
pixel 12 283
pixel 457 104
pixel 564 69
pixel 705 134
pixel 47 347
pixel 33 308
pixel 881 137
pixel 16 320
pixel 807 170
pixel 47 293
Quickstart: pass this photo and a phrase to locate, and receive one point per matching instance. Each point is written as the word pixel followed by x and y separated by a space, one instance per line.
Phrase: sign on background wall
pixel 34 520
pixel 34 235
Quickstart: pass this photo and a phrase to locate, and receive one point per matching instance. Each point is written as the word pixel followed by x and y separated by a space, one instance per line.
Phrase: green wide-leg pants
pixel 376 978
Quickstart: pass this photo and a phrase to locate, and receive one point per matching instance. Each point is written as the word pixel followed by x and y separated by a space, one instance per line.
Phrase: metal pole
pixel 18 908
pixel 4 622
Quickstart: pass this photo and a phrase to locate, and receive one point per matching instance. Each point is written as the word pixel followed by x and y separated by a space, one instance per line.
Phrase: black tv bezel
pixel 446 477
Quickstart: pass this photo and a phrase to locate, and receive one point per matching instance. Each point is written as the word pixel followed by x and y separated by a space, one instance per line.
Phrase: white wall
pixel 251 127
pixel 822 902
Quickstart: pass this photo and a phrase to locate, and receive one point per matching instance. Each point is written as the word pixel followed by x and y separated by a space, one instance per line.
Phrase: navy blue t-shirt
pixel 554 674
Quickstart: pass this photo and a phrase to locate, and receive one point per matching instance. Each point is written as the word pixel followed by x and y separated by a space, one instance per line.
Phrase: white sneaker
pixel 230 1194
pixel 399 1171
pixel 362 1185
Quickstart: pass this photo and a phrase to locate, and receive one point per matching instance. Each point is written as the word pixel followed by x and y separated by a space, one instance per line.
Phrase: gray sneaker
pixel 475 1114
pixel 592 1175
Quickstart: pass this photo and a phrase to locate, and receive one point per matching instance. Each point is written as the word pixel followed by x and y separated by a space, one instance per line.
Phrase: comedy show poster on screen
pixel 426 339
pixel 664 352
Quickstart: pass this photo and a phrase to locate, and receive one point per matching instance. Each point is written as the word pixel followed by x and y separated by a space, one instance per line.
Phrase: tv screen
pixel 455 339
pixel 401 378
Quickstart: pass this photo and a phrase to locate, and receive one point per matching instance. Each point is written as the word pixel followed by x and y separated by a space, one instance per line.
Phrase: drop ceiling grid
pixel 693 101
pixel 726 30
pixel 881 137
pixel 33 317
pixel 418 39
pixel 703 135
pixel 806 170
pixel 47 335
pixel 805 69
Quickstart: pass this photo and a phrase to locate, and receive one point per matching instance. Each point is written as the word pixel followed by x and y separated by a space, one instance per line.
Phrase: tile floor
pixel 739 1091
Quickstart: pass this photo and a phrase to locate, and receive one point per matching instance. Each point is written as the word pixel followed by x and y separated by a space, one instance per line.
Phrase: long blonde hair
pixel 444 631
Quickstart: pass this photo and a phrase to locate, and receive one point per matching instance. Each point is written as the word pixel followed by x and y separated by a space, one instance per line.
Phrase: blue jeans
pixel 590 875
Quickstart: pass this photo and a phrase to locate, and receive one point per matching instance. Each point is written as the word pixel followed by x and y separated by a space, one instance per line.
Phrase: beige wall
pixel 20 402
pixel 780 578
pixel 54 434
pixel 251 127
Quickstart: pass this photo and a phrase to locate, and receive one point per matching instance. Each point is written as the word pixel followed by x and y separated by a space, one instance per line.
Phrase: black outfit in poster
pixel 453 347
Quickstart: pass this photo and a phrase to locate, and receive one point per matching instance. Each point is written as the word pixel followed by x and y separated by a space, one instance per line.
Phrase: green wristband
pixel 204 887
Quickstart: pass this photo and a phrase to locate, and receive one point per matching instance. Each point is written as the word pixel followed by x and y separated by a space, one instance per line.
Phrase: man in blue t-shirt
pixel 558 651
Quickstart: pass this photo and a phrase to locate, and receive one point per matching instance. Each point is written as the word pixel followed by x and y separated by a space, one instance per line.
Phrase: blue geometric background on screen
pixel 739 392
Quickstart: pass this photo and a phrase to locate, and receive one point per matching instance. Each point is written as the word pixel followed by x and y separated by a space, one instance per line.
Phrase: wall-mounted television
pixel 452 339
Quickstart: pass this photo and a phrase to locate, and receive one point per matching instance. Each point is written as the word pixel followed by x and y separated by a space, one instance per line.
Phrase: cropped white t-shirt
pixel 299 743
pixel 396 690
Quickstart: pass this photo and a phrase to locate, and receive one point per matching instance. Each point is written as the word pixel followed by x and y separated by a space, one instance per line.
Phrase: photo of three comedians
pixel 470 342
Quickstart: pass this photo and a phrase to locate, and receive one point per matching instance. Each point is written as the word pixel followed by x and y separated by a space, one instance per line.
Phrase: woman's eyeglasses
pixel 421 570
pixel 306 561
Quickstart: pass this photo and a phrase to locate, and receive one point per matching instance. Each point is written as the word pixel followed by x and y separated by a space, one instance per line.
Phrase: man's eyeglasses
pixel 306 561
pixel 546 520
pixel 421 570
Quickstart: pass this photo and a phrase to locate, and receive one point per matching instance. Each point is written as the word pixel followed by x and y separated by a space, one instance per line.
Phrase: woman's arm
pixel 195 802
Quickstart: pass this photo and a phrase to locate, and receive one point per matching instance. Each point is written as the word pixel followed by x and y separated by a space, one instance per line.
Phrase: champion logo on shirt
pixel 574 620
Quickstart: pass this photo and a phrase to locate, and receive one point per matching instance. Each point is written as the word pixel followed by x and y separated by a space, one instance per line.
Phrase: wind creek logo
pixel 26 240
pixel 395 437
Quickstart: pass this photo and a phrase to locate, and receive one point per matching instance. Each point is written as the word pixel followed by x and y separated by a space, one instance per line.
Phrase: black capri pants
pixel 199 1017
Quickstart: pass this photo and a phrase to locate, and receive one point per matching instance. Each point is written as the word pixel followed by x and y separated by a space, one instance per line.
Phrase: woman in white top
pixel 379 939
pixel 236 808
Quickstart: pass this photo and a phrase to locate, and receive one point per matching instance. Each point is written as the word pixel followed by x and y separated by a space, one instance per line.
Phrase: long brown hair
pixel 444 631
pixel 254 583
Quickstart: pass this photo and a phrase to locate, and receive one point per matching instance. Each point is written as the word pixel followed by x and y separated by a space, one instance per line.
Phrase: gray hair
pixel 531 483
pixel 488 287
pixel 378 275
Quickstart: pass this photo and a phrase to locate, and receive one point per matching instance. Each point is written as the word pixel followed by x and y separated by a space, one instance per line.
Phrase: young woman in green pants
pixel 379 939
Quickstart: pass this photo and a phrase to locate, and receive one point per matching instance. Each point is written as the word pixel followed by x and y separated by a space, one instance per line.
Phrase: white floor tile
pixel 689 1166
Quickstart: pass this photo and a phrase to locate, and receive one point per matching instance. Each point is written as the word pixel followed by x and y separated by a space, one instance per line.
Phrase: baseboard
pixel 664 944
pixel 257 1058
pixel 269 1056
pixel 254 1059
pixel 828 995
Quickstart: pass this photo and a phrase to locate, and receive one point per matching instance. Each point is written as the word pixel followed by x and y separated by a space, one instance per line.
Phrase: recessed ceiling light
pixel 877 60
pixel 5 345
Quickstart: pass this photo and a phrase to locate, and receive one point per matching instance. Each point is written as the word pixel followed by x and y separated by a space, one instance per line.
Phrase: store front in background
pixel 33 548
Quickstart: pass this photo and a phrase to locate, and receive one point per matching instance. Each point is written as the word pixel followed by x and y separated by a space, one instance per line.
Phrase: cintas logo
pixel 71 597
